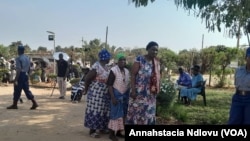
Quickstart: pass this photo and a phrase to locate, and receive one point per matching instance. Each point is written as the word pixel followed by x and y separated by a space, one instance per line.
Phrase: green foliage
pixel 2 72
pixel 166 95
pixel 74 81
pixel 233 14
pixel 129 65
pixel 34 78
pixel 215 113
pixel 52 76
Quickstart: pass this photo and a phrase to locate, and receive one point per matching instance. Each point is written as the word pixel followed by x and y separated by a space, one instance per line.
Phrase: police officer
pixel 21 81
pixel 240 107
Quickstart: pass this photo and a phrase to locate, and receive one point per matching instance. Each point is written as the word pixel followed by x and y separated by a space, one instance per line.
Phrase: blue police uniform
pixel 22 66
pixel 240 107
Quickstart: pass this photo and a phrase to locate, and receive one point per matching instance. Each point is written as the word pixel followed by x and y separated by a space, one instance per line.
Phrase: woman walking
pixel 98 100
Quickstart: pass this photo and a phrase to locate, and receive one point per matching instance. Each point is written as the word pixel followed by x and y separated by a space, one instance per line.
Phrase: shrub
pixel 166 95
pixel 74 81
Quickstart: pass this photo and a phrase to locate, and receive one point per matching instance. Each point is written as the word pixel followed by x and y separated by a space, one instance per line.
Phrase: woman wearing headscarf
pixel 118 83
pixel 145 85
pixel 98 100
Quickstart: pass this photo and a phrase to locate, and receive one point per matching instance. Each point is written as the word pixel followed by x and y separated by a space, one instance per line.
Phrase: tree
pixel 168 59
pixel 4 51
pixel 233 14
pixel 13 48
pixel 41 49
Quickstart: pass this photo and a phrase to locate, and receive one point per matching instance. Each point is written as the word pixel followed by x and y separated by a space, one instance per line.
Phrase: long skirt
pixel 98 107
pixel 118 111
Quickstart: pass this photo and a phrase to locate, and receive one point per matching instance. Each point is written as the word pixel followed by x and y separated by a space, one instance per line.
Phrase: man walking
pixel 21 81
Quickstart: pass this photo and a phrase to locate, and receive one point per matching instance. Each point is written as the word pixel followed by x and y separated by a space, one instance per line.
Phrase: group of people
pixel 189 85
pixel 10 66
pixel 117 95
pixel 239 113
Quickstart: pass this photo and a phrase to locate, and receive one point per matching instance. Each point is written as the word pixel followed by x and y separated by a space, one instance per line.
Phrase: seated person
pixel 184 79
pixel 190 93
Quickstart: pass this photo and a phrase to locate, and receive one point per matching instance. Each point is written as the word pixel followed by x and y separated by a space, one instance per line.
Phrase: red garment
pixel 155 78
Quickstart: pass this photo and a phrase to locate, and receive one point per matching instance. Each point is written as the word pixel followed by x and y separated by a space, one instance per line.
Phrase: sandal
pixel 95 135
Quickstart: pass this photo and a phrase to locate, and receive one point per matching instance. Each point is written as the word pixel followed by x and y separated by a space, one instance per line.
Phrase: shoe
pixel 106 131
pixel 119 134
pixel 113 138
pixel 34 106
pixel 61 97
pixel 94 134
pixel 12 107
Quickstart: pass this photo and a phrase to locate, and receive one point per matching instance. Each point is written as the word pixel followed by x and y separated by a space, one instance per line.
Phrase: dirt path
pixel 55 119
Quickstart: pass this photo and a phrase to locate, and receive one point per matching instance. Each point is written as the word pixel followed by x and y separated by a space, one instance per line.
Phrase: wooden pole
pixel 106 40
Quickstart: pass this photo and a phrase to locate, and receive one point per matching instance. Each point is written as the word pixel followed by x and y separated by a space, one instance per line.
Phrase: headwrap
pixel 248 52
pixel 120 55
pixel 104 55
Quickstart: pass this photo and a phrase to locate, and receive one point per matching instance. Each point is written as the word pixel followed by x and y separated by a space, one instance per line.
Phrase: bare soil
pixel 54 119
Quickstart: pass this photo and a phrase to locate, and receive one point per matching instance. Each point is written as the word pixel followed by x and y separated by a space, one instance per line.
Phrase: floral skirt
pixel 142 110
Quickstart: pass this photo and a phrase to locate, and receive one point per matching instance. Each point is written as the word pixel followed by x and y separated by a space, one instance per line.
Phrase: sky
pixel 127 26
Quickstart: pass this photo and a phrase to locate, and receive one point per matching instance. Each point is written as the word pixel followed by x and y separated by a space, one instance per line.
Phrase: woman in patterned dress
pixel 98 100
pixel 118 83
pixel 145 84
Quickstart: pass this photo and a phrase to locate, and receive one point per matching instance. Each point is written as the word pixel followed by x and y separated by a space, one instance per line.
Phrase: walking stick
pixel 53 88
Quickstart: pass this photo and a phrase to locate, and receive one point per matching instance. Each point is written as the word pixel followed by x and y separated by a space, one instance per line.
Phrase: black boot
pixel 13 106
pixel 112 135
pixel 35 105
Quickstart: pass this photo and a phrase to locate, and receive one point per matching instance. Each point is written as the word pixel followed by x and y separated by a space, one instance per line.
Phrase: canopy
pixel 65 56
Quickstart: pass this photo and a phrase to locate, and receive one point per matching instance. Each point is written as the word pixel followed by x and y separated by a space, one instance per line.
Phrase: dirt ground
pixel 54 119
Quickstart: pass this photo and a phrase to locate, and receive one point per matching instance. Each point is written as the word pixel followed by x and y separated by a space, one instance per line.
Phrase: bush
pixel 166 95
pixel 74 81
pixel 2 72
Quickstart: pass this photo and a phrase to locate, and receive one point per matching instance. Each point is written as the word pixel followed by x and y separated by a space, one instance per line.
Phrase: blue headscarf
pixel 104 55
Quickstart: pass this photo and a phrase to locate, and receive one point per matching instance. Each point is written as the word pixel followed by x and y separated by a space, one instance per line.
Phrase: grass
pixel 215 113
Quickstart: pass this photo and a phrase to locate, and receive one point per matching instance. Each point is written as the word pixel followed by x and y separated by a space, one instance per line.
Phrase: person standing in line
pixel 62 73
pixel 98 100
pixel 118 84
pixel 145 85
pixel 240 107
pixel 21 81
